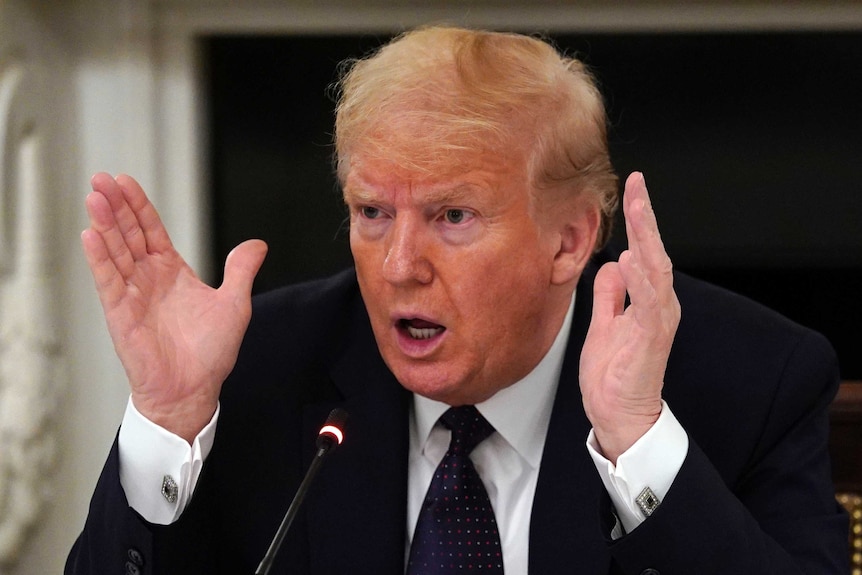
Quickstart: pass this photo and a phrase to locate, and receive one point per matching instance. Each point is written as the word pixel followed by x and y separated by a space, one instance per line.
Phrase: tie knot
pixel 469 428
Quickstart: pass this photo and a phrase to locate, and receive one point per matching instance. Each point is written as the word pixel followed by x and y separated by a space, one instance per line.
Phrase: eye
pixel 456 216
pixel 370 212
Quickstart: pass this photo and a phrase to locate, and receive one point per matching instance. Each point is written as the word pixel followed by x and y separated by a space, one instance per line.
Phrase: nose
pixel 407 259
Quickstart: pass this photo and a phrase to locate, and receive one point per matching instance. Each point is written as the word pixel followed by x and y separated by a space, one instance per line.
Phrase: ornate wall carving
pixel 30 358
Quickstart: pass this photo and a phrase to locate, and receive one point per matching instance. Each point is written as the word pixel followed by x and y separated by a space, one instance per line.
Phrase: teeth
pixel 423 332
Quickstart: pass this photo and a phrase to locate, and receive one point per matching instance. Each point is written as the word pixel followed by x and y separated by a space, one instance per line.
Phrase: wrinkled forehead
pixel 461 168
pixel 430 142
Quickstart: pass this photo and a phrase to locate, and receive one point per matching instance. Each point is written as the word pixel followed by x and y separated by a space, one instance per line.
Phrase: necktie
pixel 456 530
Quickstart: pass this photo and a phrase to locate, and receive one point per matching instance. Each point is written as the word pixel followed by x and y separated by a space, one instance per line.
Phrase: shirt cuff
pixel 653 461
pixel 152 458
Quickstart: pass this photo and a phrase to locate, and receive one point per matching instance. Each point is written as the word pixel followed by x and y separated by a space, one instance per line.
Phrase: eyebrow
pixel 360 195
pixel 451 195
pixel 455 194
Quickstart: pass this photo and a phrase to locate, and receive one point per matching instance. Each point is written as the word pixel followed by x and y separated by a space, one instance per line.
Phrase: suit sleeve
pixel 777 515
pixel 113 535
pixel 259 453
pixel 115 539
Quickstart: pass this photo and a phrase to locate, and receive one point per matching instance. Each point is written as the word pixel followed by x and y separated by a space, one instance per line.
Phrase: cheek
pixel 368 276
pixel 503 297
pixel 365 257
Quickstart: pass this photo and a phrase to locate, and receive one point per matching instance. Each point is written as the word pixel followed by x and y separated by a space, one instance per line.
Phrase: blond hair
pixel 431 94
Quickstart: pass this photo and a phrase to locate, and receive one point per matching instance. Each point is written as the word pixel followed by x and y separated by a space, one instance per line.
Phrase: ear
pixel 578 233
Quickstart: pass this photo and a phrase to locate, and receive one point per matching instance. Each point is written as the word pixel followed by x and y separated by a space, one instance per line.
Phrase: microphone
pixel 329 437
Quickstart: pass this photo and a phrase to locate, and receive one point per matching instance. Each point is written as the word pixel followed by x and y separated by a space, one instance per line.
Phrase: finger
pixel 155 236
pixel 124 216
pixel 104 223
pixel 644 238
pixel 109 282
pixel 629 194
pixel 657 312
pixel 241 267
pixel 636 208
pixel 641 292
pixel 609 293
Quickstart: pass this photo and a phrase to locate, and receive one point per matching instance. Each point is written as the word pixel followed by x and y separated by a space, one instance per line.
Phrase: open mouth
pixel 420 329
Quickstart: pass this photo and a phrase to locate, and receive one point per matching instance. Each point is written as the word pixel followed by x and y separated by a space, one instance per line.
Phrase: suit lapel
pixel 564 530
pixel 361 491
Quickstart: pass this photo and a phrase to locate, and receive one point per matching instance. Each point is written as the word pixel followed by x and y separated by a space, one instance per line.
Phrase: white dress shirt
pixel 508 461
pixel 148 454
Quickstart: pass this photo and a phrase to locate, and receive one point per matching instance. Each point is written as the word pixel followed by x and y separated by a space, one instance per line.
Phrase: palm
pixel 176 337
pixel 170 327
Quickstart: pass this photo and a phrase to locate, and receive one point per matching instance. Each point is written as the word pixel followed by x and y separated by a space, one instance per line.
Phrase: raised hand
pixel 625 354
pixel 176 337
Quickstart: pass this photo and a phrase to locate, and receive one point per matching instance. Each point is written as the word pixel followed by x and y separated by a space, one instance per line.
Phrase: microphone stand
pixel 326 442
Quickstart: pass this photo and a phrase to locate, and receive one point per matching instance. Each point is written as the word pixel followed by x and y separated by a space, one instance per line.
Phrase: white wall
pixel 86 122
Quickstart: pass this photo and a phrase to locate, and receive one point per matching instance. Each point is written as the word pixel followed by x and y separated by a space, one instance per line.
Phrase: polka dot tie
pixel 456 530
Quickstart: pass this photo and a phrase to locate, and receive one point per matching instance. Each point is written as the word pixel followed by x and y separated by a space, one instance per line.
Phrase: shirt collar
pixel 521 412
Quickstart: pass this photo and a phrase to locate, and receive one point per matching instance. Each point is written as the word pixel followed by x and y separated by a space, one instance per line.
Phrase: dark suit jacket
pixel 753 496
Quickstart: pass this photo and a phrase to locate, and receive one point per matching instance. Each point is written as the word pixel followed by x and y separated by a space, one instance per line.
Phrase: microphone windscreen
pixel 333 429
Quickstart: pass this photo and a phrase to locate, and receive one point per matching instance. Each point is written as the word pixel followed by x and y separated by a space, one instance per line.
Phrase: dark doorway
pixel 751 145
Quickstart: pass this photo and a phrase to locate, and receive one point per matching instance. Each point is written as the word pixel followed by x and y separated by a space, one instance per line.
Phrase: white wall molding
pixel 334 16
pixel 31 378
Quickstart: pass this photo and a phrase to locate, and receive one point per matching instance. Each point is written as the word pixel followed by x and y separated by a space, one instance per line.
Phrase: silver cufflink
pixel 169 489
pixel 647 501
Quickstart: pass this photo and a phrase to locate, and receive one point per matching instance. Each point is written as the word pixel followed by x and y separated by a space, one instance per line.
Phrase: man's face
pixel 456 274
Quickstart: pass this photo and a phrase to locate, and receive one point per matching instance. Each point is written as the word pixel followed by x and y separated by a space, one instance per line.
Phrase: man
pixel 476 172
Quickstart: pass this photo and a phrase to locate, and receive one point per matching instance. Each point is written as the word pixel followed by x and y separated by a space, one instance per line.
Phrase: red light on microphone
pixel 331 434
pixel 333 431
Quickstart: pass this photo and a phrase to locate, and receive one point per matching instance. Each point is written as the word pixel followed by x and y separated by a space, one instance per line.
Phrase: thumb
pixel 241 267
pixel 609 293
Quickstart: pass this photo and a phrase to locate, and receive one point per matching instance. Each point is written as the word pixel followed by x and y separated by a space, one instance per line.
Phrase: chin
pixel 431 385
pixel 458 393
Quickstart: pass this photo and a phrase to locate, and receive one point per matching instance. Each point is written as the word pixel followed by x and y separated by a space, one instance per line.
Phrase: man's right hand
pixel 176 337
